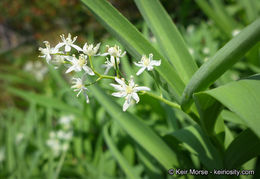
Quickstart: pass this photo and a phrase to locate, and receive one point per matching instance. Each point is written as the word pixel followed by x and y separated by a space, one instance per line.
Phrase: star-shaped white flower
pixel 68 42
pixel 128 91
pixel 90 50
pixel 114 52
pixel 109 64
pixel 78 64
pixel 48 51
pixel 79 86
pixel 147 63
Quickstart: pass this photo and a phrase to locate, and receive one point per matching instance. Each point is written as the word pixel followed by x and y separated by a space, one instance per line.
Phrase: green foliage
pixel 202 112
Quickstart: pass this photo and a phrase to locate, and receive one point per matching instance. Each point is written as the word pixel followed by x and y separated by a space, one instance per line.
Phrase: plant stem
pixel 60 165
pixel 98 74
pixel 172 104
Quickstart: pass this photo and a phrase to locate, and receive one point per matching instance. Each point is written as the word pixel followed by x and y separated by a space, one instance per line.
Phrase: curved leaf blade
pixel 242 97
pixel 221 62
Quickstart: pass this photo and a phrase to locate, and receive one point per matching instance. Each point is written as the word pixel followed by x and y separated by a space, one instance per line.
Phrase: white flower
pixel 235 32
pixel 55 145
pixel 147 63
pixel 68 42
pixel 127 91
pixel 19 137
pixel 79 64
pixel 79 86
pixel 64 135
pixel 37 69
pixel 64 120
pixel 206 50
pixel 114 52
pixel 48 51
pixel 58 60
pixel 90 50
pixel 109 64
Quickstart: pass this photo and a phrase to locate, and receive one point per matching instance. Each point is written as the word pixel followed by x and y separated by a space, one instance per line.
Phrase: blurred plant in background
pixel 46 132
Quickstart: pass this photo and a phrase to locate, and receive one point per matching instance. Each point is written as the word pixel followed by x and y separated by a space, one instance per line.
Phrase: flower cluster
pixel 58 141
pixel 82 62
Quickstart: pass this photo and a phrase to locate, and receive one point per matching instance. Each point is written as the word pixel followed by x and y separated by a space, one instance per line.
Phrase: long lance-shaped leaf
pixel 141 133
pixel 170 40
pixel 126 167
pixel 221 61
pixel 133 41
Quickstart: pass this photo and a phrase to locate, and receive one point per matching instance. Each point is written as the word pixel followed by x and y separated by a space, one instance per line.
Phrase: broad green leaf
pixel 243 148
pixel 140 132
pixel 170 40
pixel 198 143
pixel 133 41
pixel 44 100
pixel 221 62
pixel 126 167
pixel 241 97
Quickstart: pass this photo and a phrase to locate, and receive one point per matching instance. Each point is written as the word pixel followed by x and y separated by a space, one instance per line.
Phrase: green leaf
pixel 217 14
pixel 170 40
pixel 44 100
pixel 221 62
pixel 241 97
pixel 133 41
pixel 141 133
pixel 243 148
pixel 126 167
pixel 198 143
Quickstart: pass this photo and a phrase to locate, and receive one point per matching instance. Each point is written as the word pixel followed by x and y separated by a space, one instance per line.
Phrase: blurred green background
pixel 35 98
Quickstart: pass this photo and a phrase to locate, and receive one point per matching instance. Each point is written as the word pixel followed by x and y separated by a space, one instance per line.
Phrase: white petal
pixel 107 69
pixel 117 87
pixel 136 97
pixel 76 47
pixel 85 47
pixel 79 92
pixel 140 71
pixel 88 70
pixel 138 64
pixel 151 56
pixel 126 105
pixel 59 45
pixel 48 58
pixel 70 69
pixel 86 96
pixel 155 62
pixel 142 88
pixel 118 94
pixel 121 82
pixel 150 68
pixel 104 54
pixel 123 54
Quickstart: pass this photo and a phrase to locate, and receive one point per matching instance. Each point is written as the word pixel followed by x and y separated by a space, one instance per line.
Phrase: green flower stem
pixel 117 69
pixel 98 74
pixel 172 104
pixel 60 165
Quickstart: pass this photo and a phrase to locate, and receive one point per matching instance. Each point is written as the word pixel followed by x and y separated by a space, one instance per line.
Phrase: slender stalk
pixel 172 104
pixel 117 69
pixel 98 74
pixel 60 164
